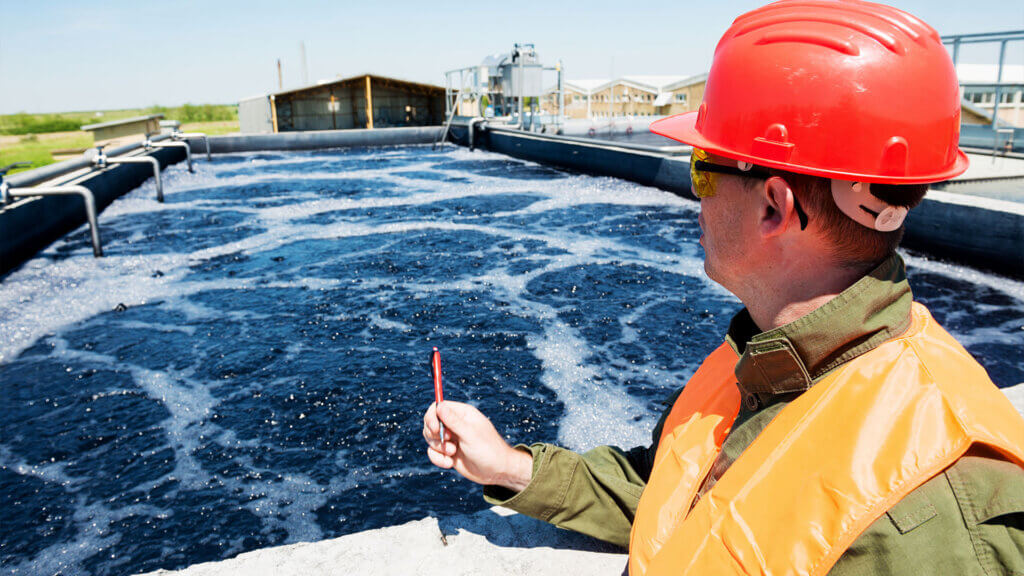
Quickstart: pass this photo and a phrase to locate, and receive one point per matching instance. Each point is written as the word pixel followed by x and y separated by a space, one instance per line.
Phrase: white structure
pixel 977 86
pixel 254 115
pixel 494 542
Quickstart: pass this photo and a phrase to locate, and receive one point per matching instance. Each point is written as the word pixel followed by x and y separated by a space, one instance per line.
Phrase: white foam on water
pixel 92 522
pixel 187 401
pixel 49 472
pixel 595 414
pixel 44 297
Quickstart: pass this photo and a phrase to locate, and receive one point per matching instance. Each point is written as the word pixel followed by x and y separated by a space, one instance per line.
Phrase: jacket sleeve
pixel 594 493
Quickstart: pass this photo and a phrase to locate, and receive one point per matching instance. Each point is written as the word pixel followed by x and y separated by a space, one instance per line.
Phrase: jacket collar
pixel 791 358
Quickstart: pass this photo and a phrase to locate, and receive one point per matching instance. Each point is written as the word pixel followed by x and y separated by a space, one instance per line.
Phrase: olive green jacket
pixel 968 520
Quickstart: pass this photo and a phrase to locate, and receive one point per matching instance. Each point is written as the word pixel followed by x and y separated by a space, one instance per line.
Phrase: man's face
pixel 728 222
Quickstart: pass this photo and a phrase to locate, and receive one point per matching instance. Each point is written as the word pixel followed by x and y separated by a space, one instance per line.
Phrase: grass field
pixel 21 124
pixel 34 137
pixel 38 149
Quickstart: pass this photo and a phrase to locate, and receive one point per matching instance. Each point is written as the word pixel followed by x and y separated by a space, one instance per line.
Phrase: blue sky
pixel 58 56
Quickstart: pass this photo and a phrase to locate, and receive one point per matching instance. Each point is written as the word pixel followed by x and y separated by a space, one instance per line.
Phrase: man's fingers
pixel 430 421
pixel 434 441
pixel 455 415
pixel 439 460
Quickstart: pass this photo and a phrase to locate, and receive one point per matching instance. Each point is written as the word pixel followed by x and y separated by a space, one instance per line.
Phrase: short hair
pixel 854 245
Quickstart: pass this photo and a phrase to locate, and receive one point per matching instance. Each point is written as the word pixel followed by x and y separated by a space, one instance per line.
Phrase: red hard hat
pixel 842 89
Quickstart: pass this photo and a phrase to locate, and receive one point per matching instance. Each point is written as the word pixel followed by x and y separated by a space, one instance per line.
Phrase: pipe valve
pixel 96 155
pixel 5 197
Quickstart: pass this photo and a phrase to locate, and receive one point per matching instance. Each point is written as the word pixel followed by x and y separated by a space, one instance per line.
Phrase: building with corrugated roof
pixel 364 101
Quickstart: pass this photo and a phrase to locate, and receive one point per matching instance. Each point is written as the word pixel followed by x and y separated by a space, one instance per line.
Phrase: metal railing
pixel 178 135
pixel 443 135
pixel 150 143
pixel 7 193
pixel 35 182
pixel 101 160
pixel 1002 38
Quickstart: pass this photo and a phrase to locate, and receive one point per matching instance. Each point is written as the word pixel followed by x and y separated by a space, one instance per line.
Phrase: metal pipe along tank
pixel 85 193
pixel 188 149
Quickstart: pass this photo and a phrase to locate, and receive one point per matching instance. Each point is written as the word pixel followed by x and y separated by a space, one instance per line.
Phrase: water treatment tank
pixel 522 66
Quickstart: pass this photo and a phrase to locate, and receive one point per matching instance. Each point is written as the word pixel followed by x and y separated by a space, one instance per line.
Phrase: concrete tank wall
pixel 317 139
pixel 974 230
pixel 981 232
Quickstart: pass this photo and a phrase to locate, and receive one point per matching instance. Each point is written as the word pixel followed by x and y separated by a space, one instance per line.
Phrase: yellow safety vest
pixel 827 466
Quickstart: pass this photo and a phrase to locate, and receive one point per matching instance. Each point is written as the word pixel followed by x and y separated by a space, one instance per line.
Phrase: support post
pixel 369 104
pixel 149 144
pixel 143 160
pixel 522 108
pixel 273 112
pixel 561 99
pixel 999 88
pixel 197 135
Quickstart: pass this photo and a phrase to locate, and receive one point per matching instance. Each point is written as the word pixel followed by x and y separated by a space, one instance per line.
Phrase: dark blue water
pixel 248 366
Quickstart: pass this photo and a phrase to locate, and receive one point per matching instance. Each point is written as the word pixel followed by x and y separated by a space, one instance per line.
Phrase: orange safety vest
pixel 827 466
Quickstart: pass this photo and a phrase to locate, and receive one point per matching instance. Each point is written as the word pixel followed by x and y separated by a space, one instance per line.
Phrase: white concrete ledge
pixel 494 542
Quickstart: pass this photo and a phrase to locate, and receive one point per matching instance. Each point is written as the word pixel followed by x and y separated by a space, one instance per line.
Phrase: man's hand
pixel 473 447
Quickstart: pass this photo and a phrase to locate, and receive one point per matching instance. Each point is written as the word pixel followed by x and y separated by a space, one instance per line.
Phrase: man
pixel 838 429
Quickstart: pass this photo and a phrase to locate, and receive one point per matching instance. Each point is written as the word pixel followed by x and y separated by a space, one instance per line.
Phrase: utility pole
pixel 280 79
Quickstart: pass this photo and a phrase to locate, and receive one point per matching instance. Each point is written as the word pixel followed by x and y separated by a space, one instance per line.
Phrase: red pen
pixel 435 366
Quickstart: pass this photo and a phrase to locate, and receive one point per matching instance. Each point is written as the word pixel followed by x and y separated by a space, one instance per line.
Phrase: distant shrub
pixel 22 123
pixel 201 113
pixel 17 124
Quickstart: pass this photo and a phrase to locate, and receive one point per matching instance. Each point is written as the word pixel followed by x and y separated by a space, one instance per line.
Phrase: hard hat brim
pixel 683 128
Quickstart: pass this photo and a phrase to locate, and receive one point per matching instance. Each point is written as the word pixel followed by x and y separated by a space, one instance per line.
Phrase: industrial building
pixel 628 96
pixel 640 96
pixel 978 83
pixel 506 85
pixel 365 101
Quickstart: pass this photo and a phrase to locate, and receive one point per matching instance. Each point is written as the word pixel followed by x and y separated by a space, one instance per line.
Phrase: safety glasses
pixel 704 179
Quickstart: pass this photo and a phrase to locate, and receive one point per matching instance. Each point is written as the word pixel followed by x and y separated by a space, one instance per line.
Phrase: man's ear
pixel 778 207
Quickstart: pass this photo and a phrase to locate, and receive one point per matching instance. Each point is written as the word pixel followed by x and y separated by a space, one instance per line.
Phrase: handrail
pixel 178 135
pixel 49 172
pixel 447 125
pixel 982 37
pixel 152 143
pixel 25 185
pixel 100 160
pixel 90 204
